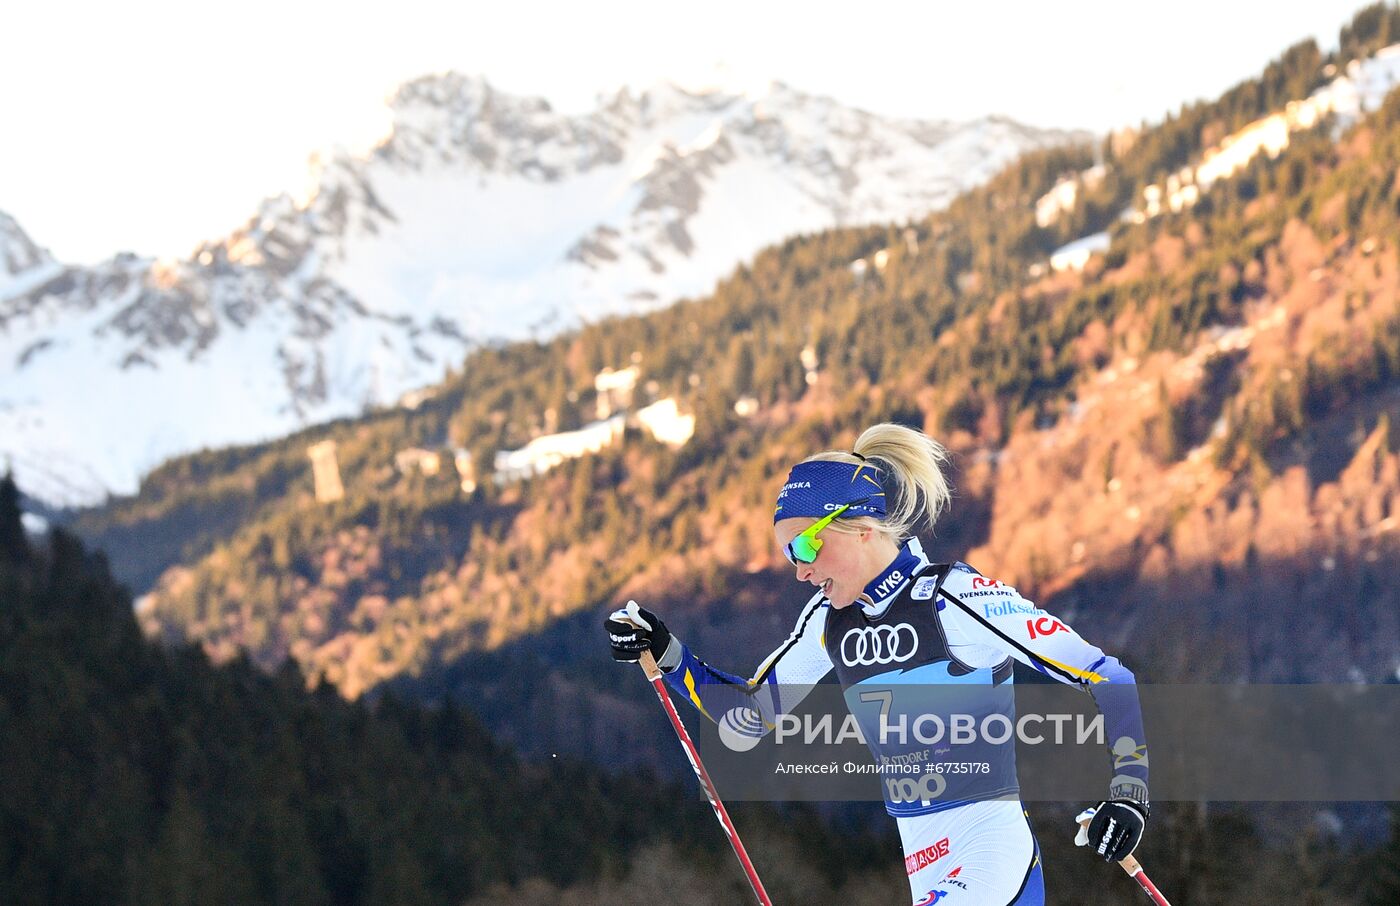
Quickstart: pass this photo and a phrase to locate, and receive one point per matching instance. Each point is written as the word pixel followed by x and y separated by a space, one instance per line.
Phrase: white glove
pixel 633 629
pixel 1081 838
pixel 1115 828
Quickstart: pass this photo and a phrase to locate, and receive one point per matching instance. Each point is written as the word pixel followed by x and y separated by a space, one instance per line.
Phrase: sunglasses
pixel 805 547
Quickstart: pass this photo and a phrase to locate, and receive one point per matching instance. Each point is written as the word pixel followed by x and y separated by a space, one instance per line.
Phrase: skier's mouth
pixel 826 588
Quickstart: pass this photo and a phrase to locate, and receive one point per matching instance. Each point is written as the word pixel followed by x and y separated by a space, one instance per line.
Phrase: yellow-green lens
pixel 805 548
pixel 806 545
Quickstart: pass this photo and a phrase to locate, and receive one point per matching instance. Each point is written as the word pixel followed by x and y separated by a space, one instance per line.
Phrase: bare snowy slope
pixel 480 217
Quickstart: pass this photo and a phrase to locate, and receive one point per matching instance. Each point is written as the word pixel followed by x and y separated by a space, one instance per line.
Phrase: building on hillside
pixel 1065 194
pixel 809 360
pixel 466 469
pixel 614 390
pixel 1059 199
pixel 416 459
pixel 325 471
pixel 665 422
pixel 1182 191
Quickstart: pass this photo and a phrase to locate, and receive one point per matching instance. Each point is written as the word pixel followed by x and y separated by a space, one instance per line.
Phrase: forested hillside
pixel 135 773
pixel 1187 445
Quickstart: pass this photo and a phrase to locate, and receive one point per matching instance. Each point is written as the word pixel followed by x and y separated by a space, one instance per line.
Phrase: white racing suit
pixel 922 625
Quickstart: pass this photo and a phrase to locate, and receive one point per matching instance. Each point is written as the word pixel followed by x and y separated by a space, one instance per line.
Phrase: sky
pixel 150 126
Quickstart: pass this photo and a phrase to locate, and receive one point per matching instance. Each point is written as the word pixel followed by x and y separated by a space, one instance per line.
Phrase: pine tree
pixel 13 546
pixel 1385 883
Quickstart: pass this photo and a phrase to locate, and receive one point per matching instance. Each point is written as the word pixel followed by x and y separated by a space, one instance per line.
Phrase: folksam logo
pixel 1007 609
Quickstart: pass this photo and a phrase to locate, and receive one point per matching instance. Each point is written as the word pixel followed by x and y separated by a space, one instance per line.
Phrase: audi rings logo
pixel 867 645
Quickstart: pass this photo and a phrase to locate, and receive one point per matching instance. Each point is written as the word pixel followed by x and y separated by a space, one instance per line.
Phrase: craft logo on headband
pixel 816 488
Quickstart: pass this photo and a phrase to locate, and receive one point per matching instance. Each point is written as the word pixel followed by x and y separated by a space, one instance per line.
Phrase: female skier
pixel 885 617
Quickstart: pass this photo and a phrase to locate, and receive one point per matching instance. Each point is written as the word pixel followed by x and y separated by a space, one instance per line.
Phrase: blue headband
pixel 815 488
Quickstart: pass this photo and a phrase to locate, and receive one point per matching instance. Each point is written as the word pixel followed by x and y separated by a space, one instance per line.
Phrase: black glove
pixel 632 630
pixel 1116 828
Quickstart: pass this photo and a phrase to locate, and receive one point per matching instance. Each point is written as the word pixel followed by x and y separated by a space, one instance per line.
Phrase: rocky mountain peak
pixel 482 216
pixel 18 253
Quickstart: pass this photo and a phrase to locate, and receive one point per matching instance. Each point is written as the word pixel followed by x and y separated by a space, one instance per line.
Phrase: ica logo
pixel 1045 626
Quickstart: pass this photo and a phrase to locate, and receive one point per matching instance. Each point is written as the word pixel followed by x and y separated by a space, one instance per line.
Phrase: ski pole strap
pixel 1133 867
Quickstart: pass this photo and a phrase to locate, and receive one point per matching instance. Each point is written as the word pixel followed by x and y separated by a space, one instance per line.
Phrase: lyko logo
pixel 979 582
pixel 867 645
pixel 889 582
pixel 1045 626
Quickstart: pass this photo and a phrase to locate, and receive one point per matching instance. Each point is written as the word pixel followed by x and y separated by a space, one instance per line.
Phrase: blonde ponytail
pixel 915 462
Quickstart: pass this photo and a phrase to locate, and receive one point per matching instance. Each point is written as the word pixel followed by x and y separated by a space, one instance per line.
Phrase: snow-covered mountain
pixel 23 265
pixel 480 217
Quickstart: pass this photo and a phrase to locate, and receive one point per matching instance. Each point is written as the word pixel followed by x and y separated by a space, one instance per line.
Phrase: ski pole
pixel 659 684
pixel 1134 870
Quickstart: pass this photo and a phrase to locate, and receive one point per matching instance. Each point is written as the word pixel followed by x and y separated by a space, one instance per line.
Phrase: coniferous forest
pixel 136 773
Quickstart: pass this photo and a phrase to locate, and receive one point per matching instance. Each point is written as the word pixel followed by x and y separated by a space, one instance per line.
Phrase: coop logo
pixel 866 646
pixel 926 788
pixel 926 856
pixel 1045 626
